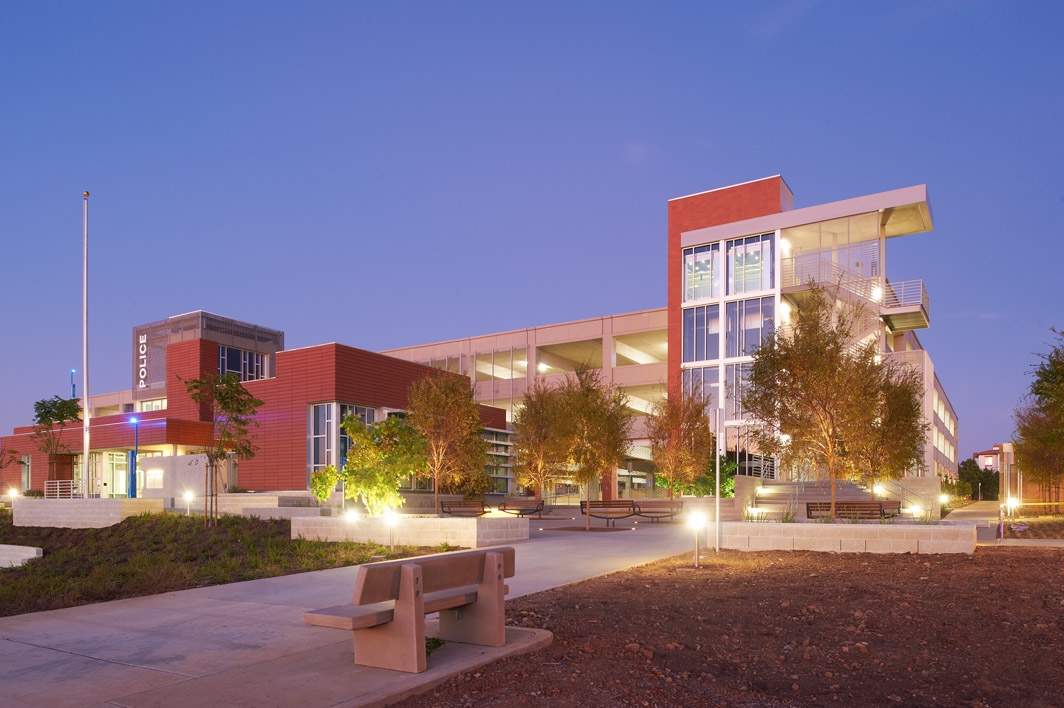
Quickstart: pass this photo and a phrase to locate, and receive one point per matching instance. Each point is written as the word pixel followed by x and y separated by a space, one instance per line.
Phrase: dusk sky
pixel 398 173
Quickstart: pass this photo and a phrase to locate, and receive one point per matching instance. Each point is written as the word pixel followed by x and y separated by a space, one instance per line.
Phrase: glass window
pixel 704 379
pixel 249 366
pixel 751 264
pixel 320 438
pixel 701 333
pixel 702 272
pixel 734 379
pixel 362 413
pixel 733 343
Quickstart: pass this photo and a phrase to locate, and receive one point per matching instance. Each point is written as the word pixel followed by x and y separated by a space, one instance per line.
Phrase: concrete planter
pixel 80 513
pixel 853 538
pixel 414 530
pixel 12 556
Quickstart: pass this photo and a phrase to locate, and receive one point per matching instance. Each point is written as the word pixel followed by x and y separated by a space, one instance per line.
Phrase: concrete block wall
pixel 414 531
pixel 80 513
pixel 11 556
pixel 850 538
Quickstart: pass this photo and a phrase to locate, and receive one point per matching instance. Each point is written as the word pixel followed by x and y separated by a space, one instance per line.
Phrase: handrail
pixel 903 493
pixel 63 489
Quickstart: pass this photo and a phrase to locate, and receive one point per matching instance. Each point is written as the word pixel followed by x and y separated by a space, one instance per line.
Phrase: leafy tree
pixel 978 479
pixel 442 409
pixel 50 418
pixel 811 388
pixel 597 421
pixel 228 411
pixel 381 457
pixel 893 441
pixel 1039 439
pixel 705 484
pixel 681 439
pixel 323 482
pixel 539 448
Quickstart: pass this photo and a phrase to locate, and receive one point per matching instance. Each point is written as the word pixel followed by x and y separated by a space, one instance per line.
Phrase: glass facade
pixel 749 322
pixel 701 272
pixel 751 264
pixel 362 413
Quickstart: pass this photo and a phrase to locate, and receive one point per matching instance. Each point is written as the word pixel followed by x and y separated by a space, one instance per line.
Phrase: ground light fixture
pixel 943 498
pixel 189 496
pixel 351 515
pixel 697 521
pixel 391 518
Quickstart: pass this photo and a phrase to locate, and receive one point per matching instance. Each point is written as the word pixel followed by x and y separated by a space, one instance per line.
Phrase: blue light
pixel 133 421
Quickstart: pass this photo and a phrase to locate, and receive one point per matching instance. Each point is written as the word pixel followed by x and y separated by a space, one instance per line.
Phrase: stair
pixel 775 497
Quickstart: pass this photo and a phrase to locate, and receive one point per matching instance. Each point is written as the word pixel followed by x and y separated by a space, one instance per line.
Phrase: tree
pixel 811 388
pixel 1039 439
pixel 596 427
pixel 980 480
pixel 442 409
pixel 681 440
pixel 228 410
pixel 50 418
pixel 893 441
pixel 539 449
pixel 381 457
pixel 705 484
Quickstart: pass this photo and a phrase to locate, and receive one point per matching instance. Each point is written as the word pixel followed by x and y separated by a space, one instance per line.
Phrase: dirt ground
pixel 791 629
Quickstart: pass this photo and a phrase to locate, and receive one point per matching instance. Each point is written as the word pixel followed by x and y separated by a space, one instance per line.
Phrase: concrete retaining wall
pixel 11 556
pixel 414 530
pixel 853 538
pixel 80 513
pixel 286 512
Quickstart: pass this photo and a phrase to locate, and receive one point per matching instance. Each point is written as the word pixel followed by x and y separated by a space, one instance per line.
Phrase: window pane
pixel 713 332
pixel 733 332
pixel 768 318
pixel 751 326
pixel 700 333
pixel 689 335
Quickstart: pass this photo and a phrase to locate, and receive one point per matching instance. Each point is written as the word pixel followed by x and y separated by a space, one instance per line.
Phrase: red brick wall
pixel 188 360
pixel 699 211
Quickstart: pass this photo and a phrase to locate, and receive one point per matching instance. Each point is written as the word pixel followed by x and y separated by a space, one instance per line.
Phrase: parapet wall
pixel 80 513
pixel 850 538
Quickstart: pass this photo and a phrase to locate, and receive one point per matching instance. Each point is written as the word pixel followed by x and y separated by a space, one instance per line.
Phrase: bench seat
pixel 609 509
pixel 657 509
pixel 463 507
pixel 522 507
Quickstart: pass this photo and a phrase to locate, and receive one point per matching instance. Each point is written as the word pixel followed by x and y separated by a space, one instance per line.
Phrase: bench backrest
pixel 608 504
pixel 659 503
pixel 464 503
pixel 378 582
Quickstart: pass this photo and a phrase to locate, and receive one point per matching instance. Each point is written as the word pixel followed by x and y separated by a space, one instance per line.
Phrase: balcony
pixel 905 306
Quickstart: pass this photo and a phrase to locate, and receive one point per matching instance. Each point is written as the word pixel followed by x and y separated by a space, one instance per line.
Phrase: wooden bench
pixel 463 507
pixel 387 612
pixel 610 510
pixel 522 506
pixel 657 509
pixel 857 510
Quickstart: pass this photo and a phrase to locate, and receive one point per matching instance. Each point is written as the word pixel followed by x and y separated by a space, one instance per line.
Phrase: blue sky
pixel 397 173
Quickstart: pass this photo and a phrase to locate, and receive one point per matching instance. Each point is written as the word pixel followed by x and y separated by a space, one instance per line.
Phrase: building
pixel 738 260
pixel 306 393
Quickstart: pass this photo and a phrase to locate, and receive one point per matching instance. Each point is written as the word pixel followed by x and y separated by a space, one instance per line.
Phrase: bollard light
pixel 391 518
pixel 189 496
pixel 351 516
pixel 697 521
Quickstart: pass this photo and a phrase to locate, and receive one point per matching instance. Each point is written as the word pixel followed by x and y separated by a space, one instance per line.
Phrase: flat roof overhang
pixel 902 212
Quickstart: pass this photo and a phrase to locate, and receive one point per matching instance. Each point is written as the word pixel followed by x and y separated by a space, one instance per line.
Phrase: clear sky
pixel 394 173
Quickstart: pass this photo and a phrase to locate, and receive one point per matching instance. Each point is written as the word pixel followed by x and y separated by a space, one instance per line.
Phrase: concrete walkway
pixel 245 644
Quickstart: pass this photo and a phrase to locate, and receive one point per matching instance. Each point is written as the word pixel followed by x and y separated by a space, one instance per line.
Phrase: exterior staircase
pixel 774 498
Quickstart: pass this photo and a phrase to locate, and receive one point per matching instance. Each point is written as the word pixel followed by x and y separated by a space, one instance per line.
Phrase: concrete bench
pixel 463 507
pixel 657 509
pixel 387 612
pixel 522 506
pixel 609 509
pixel 856 510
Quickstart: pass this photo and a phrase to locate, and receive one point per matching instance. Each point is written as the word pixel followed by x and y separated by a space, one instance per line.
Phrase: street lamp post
pixel 133 466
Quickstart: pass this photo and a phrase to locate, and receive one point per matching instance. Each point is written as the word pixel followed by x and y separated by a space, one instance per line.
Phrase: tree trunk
pixel 587 517
pixel 206 490
pixel 436 497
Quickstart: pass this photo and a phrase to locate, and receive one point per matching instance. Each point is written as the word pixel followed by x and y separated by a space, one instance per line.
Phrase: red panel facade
pixel 699 211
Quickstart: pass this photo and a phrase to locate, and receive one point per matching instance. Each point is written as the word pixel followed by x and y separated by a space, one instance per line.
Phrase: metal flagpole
pixel 85 345
pixel 716 464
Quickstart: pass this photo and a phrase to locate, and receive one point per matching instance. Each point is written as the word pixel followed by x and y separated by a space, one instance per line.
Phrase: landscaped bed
pixel 796 628
pixel 157 553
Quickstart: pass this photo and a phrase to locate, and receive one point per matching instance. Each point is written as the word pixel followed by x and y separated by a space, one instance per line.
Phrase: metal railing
pixel 905 495
pixel 63 489
pixel 820 268
pixel 907 293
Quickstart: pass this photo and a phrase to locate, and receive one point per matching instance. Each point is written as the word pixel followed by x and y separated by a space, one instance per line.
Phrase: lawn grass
pixel 157 553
